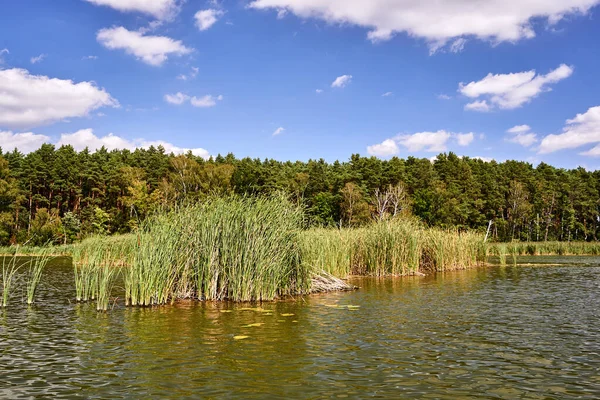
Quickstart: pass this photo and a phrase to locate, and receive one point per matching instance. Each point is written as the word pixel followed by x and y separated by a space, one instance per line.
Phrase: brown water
pixel 513 332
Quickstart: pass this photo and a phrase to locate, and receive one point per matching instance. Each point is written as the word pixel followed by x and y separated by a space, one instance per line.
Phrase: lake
pixel 530 332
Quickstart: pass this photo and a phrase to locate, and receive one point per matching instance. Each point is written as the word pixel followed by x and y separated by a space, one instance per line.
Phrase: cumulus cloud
pixel 438 22
pixel 86 138
pixel 279 131
pixel 582 130
pixel 464 139
pixel 342 81
pixel 33 100
pixel 387 94
pixel 24 142
pixel 443 97
pixel 35 60
pixel 481 106
pixel 160 9
pixel 509 91
pixel 319 91
pixel 433 142
pixel 521 134
pixel 204 101
pixel 177 98
pixel 207 18
pixel 426 141
pixel 387 148
pixel 153 50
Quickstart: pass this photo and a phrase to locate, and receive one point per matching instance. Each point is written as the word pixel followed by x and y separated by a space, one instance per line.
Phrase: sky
pixel 305 79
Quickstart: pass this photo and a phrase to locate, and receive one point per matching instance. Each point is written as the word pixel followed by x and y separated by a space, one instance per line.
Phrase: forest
pixel 59 195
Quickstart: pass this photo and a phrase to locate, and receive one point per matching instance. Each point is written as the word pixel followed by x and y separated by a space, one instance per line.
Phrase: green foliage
pixel 114 191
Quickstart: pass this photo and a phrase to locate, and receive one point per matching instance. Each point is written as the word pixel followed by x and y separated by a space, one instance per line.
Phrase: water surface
pixel 528 332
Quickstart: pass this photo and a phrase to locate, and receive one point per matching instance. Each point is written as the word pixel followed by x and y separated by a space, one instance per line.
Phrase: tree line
pixel 60 195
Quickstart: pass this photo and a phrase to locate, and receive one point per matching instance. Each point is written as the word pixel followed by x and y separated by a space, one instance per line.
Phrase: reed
pixel 401 246
pixel 106 280
pixel 234 248
pixel 10 269
pixel 92 256
pixel 36 269
pixel 553 248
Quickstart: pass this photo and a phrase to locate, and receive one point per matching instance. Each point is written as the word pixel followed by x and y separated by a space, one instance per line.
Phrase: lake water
pixel 529 332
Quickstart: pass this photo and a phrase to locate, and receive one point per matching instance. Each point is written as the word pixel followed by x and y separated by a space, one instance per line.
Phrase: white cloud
pixel 519 129
pixel 2 52
pixel 89 58
pixel 319 91
pixel 278 131
pixel 387 148
pixel 464 139
pixel 521 134
pixel 484 159
pixel 86 138
pixel 153 50
pixel 24 142
pixel 458 45
pixel 443 97
pixel 438 22
pixel 35 60
pixel 177 98
pixel 387 94
pixel 427 141
pixel 341 81
pixel 205 101
pixel 509 91
pixel 160 9
pixel 34 100
pixel 433 142
pixel 193 74
pixel 207 18
pixel 582 130
pixel 481 106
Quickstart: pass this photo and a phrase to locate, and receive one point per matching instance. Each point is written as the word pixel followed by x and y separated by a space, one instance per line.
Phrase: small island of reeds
pixel 254 249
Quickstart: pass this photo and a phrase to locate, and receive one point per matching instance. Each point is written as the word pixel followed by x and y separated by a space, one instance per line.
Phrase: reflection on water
pixel 500 332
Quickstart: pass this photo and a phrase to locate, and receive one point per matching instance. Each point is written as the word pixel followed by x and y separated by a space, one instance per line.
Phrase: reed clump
pixel 234 248
pixel 95 260
pixel 402 246
pixel 515 249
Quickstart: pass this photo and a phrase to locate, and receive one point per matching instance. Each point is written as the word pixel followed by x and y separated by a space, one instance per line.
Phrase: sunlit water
pixel 498 332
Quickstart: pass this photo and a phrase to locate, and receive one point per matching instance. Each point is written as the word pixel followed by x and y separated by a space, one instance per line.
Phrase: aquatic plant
pixel 401 246
pixel 235 248
pixel 106 279
pixel 10 268
pixel 36 268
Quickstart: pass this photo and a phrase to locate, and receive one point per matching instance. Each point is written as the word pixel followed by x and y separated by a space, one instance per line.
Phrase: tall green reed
pixel 10 269
pixel 37 265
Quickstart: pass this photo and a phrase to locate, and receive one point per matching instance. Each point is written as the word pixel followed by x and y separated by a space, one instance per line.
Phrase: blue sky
pixel 413 77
